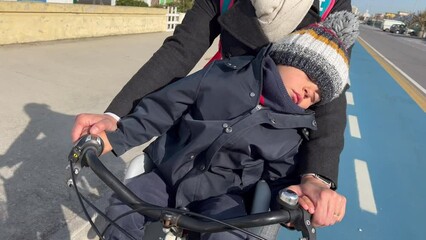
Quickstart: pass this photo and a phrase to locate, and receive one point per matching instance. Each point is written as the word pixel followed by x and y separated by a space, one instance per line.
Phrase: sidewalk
pixel 43 86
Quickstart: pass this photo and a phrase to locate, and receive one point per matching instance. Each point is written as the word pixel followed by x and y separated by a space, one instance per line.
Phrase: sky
pixel 382 6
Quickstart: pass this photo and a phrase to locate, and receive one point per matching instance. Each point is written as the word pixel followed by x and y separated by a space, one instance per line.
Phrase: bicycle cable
pixel 81 201
pixel 109 220
pixel 86 213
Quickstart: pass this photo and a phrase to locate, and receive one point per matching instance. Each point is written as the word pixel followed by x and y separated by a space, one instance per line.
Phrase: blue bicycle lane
pixel 383 164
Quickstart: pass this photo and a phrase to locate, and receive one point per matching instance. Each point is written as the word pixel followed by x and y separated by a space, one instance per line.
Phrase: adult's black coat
pixel 214 137
pixel 241 35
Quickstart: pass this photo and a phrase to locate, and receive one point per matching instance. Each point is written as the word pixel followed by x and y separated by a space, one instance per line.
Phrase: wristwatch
pixel 320 178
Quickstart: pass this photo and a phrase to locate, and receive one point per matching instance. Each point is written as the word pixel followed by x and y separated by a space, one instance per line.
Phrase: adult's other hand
pixel 326 206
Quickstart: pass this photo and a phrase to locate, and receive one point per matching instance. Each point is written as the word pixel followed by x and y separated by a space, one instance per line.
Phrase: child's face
pixel 300 88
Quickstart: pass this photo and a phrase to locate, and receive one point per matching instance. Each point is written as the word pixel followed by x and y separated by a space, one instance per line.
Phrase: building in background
pixel 403 14
pixel 390 15
pixel 366 16
pixel 355 10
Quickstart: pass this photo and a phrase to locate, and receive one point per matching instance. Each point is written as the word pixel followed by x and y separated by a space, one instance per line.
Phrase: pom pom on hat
pixel 345 25
pixel 320 50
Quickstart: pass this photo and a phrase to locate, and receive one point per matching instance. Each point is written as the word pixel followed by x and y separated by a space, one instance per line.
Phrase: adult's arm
pixel 175 58
pixel 321 153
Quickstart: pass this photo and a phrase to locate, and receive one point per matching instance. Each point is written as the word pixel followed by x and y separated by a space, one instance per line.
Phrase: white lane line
pixel 394 66
pixel 353 126
pixel 350 98
pixel 365 190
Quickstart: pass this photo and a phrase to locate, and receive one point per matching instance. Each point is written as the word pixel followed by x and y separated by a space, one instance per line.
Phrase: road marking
pixel 365 189
pixel 411 87
pixel 350 98
pixel 353 126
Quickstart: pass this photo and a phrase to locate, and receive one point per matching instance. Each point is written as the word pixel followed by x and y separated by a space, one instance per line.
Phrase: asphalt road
pixel 406 52
pixel 43 87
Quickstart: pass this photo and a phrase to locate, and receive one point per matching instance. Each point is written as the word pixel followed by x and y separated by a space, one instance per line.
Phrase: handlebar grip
pixel 82 145
pixel 288 199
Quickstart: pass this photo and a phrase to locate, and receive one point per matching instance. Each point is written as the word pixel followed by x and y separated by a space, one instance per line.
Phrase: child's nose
pixel 307 93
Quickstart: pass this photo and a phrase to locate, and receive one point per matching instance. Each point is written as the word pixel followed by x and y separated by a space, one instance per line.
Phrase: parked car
pixel 415 31
pixel 402 29
pixel 411 32
pixel 387 23
pixel 398 29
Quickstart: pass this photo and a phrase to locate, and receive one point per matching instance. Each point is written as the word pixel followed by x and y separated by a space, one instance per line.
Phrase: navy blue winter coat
pixel 241 34
pixel 215 138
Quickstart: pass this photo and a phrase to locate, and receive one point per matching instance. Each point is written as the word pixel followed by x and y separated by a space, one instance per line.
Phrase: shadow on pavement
pixel 34 178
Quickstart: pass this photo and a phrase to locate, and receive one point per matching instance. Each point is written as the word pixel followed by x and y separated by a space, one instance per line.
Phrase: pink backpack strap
pixel 224 6
pixel 325 8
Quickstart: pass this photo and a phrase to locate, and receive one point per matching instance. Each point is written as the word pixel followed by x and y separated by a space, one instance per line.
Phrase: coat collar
pixel 258 63
pixel 241 22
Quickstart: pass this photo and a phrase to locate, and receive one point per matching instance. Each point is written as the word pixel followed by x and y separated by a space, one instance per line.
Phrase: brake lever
pixel 305 226
pixel 75 157
pixel 289 201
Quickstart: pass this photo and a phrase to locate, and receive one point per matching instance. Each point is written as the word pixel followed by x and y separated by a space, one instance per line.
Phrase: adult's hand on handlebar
pixel 87 123
pixel 326 206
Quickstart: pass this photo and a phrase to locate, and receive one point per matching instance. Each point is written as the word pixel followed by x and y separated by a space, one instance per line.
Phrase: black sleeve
pixel 321 153
pixel 175 58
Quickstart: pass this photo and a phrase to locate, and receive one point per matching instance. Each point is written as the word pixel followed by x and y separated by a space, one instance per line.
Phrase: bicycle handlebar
pixel 86 152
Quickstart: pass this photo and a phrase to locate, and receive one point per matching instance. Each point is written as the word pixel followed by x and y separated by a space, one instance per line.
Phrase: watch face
pixel 324 180
pixel 320 178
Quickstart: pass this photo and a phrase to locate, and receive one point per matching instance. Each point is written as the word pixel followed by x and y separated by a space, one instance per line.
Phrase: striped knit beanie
pixel 320 50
